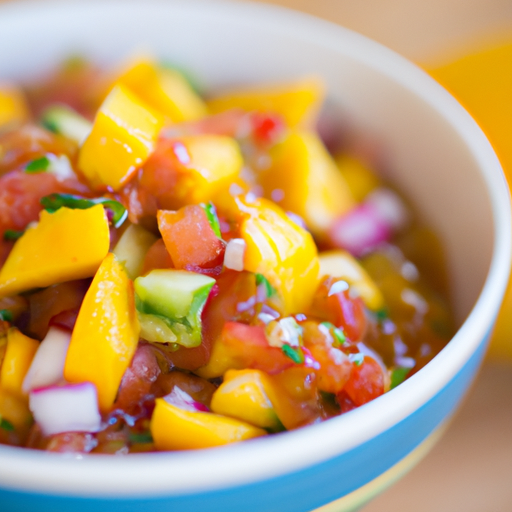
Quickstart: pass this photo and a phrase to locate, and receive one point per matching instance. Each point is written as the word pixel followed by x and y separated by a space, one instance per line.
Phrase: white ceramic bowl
pixel 440 159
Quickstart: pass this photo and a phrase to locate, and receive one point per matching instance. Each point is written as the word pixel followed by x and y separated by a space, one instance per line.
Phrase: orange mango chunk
pixel 106 333
pixel 65 245
pixel 174 428
pixel 297 103
pixel 15 410
pixel 165 90
pixel 340 263
pixel 18 356
pixel 303 178
pixel 13 106
pixel 282 251
pixel 122 137
pixel 247 395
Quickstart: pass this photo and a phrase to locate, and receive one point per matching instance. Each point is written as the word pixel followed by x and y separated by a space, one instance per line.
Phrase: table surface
pixel 470 469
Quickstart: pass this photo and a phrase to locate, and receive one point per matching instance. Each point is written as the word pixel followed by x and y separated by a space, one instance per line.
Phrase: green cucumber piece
pixel 65 121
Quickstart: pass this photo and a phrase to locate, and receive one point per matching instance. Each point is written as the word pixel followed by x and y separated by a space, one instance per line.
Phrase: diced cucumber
pixel 176 298
pixel 65 121
pixel 132 247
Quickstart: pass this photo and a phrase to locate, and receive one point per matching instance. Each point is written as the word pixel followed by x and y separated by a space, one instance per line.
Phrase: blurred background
pixel 467 46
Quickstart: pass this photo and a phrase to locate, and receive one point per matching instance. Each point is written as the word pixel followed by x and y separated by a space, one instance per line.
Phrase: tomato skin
pixel 339 308
pixel 190 240
pixel 366 383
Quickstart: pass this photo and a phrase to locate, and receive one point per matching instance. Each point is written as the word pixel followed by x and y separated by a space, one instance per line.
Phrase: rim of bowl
pixel 184 472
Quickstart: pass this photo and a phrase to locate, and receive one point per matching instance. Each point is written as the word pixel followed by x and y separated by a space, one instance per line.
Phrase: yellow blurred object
pixel 65 245
pixel 482 81
pixel 248 396
pixel 361 180
pixel 282 251
pixel 106 333
pixel 340 263
pixel 122 137
pixel 17 359
pixel 303 178
pixel 13 106
pixel 14 409
pixel 165 90
pixel 174 428
pixel 298 103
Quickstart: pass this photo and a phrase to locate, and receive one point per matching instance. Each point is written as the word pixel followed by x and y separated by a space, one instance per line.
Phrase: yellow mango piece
pixel 340 263
pixel 283 252
pixel 106 333
pixel 123 135
pixel 247 395
pixel 165 90
pixel 174 428
pixel 303 178
pixel 361 180
pixel 297 102
pixel 14 409
pixel 13 106
pixel 210 164
pixel 65 245
pixel 18 356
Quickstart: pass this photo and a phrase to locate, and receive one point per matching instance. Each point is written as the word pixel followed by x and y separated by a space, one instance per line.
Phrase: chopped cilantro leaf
pixel 262 280
pixel 6 425
pixel 140 437
pixel 398 375
pixel 211 215
pixel 5 315
pixel 11 234
pixel 37 165
pixel 357 359
pixel 295 354
pixel 337 332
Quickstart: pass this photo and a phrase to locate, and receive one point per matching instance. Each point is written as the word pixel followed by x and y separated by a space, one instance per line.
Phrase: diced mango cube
pixel 248 396
pixel 303 178
pixel 282 251
pixel 106 333
pixel 18 356
pixel 165 90
pixel 65 245
pixel 13 106
pixel 174 428
pixel 297 102
pixel 122 137
pixel 14 409
pixel 340 263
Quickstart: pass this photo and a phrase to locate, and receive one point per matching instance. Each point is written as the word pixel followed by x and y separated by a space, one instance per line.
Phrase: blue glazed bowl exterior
pixel 439 158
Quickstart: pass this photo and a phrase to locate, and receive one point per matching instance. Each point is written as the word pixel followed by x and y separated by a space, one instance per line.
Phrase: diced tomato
pixel 190 239
pixel 157 257
pixel 366 382
pixel 141 205
pixel 266 127
pixel 339 308
pixel 334 366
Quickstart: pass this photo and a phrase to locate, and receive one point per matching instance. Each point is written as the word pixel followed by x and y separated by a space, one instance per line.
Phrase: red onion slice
pixel 184 401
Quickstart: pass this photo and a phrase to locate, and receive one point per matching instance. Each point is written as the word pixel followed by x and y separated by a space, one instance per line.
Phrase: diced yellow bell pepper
pixel 297 102
pixel 14 409
pixel 282 251
pixel 304 179
pixel 17 359
pixel 106 333
pixel 173 428
pixel 247 395
pixel 361 180
pixel 211 163
pixel 122 137
pixel 65 245
pixel 165 90
pixel 340 263
pixel 13 107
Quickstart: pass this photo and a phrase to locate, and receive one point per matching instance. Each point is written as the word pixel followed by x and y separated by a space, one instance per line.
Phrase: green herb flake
pixel 337 333
pixel 295 354
pixel 53 202
pixel 269 289
pixel 398 375
pixel 6 315
pixel 37 165
pixel 213 219
pixel 357 359
pixel 12 235
pixel 6 425
pixel 140 437
pixel 381 314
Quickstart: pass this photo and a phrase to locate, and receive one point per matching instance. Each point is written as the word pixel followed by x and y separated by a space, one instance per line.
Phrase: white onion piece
pixel 60 167
pixel 69 408
pixel 234 255
pixel 184 401
pixel 389 207
pixel 47 367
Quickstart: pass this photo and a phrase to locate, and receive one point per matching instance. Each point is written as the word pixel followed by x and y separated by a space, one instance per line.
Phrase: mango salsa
pixel 13 107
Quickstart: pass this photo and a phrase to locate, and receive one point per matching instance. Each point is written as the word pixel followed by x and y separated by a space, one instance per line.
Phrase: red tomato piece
pixel 190 240
pixel 71 442
pixel 266 127
pixel 156 257
pixel 366 382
